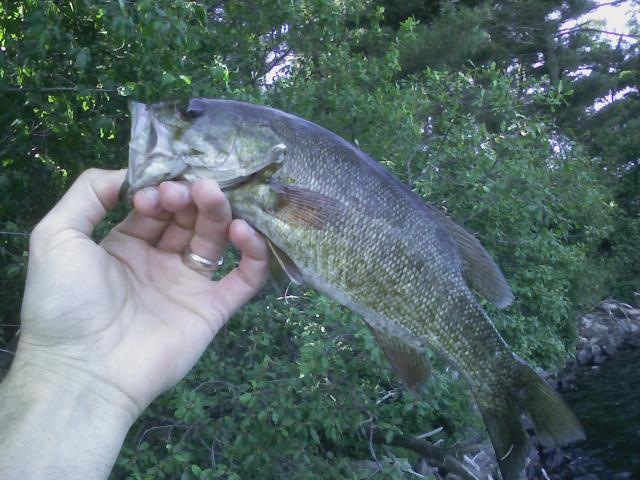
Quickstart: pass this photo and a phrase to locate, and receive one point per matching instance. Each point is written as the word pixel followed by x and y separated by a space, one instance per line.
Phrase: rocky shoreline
pixel 603 331
pixel 609 328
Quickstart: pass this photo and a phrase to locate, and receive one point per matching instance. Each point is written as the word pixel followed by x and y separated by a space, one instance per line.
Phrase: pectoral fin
pixel 300 206
pixel 283 269
pixel 410 363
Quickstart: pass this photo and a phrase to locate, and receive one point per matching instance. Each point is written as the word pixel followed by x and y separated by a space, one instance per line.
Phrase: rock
pixel 452 476
pixel 634 341
pixel 585 356
pixel 601 335
pixel 423 468
pixel 610 345
pixel 623 475
pixel 598 355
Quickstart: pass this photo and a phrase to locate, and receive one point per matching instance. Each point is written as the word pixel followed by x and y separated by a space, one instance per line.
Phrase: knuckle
pixel 38 232
pixel 41 236
pixel 89 174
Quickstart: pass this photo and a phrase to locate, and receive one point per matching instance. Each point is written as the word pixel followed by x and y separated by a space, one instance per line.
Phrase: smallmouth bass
pixel 336 220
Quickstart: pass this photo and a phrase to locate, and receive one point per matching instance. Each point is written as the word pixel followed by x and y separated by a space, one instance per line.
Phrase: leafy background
pixel 486 109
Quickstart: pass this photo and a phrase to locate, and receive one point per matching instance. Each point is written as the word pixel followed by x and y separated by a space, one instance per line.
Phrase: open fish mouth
pixel 169 142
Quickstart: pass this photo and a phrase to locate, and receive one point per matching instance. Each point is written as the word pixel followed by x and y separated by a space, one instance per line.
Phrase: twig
pixel 57 90
pixel 430 434
pixel 606 4
pixel 174 425
pixel 230 386
pixel 440 457
pixel 269 66
pixel 579 28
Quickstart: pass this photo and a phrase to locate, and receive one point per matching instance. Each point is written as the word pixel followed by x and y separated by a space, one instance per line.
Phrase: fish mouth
pixel 149 142
pixel 127 192
pixel 140 129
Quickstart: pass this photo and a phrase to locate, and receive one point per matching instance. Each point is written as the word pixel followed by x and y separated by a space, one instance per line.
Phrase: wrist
pixel 58 421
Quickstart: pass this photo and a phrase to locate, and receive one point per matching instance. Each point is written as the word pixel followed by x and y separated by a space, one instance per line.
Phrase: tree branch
pixel 439 457
pixel 269 66
pixel 607 4
pixel 57 90
pixel 579 28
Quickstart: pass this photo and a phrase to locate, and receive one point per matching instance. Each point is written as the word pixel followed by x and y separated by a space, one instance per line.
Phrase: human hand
pixel 106 328
pixel 126 318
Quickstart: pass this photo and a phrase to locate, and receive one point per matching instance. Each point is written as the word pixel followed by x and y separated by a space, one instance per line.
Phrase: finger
pixel 148 220
pixel 211 232
pixel 244 281
pixel 176 197
pixel 85 204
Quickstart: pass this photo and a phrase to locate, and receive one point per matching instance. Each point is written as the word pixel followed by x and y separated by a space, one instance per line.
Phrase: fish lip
pixel 140 120
pixel 124 194
pixel 229 185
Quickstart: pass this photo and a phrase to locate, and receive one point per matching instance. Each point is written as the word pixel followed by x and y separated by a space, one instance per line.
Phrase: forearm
pixel 55 425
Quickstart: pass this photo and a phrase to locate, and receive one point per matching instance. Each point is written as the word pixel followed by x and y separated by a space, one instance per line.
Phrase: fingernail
pixel 181 189
pixel 151 194
pixel 250 228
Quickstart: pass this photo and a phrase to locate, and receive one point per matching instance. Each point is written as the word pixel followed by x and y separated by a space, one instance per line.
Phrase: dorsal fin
pixel 480 270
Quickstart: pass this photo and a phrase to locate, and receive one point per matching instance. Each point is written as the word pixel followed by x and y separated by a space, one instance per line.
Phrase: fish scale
pixel 403 252
pixel 336 220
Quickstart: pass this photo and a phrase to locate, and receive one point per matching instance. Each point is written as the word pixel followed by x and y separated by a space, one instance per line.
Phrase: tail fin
pixel 510 441
pixel 552 420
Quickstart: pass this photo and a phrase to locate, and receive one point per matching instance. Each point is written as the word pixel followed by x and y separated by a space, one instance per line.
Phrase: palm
pixel 129 311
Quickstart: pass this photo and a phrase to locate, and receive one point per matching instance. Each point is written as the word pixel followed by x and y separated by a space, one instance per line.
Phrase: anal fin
pixel 408 362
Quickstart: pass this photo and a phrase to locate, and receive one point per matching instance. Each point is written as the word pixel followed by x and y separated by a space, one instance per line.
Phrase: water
pixel 607 402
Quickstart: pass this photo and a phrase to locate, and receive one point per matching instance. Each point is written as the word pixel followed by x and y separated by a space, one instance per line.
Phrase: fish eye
pixel 191 113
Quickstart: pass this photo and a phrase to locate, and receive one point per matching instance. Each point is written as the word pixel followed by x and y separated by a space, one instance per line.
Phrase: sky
pixel 616 17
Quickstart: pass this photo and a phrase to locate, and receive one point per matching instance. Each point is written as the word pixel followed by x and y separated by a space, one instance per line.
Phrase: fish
pixel 336 220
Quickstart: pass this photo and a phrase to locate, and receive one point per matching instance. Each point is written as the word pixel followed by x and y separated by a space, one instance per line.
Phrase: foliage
pixel 294 386
pixel 291 389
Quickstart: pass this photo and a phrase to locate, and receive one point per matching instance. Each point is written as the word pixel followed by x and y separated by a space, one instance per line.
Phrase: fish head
pixel 222 140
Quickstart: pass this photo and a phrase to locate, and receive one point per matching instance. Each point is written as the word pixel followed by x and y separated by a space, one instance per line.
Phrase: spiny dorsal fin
pixel 301 206
pixel 283 269
pixel 410 363
pixel 479 269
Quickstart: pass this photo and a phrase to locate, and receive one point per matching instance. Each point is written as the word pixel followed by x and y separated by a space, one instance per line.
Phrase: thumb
pixel 85 204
